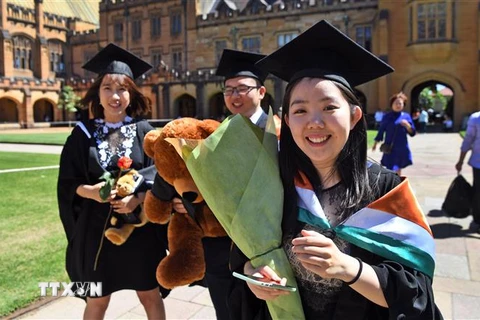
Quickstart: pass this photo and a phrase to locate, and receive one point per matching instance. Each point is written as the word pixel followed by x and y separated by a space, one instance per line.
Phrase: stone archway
pixel 216 107
pixel 185 106
pixel 8 110
pixel 456 103
pixel 437 98
pixel 43 111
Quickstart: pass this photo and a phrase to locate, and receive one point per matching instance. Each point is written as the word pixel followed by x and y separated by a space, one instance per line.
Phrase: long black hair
pixel 351 163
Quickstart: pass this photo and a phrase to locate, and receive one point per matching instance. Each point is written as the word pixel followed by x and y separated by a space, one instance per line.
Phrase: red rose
pixel 124 163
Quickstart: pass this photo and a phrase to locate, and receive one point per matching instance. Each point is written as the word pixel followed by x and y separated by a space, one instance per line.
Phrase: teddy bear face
pixel 126 184
pixel 168 162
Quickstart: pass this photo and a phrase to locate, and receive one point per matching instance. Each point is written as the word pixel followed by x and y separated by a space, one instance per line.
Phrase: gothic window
pixel 156 58
pixel 56 57
pixel 284 38
pixel 177 59
pixel 118 31
pixel 363 36
pixel 431 20
pixel 219 46
pixel 136 29
pixel 251 44
pixel 22 49
pixel 175 23
pixel 155 26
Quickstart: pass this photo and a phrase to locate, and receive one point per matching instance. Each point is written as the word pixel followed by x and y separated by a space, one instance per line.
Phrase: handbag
pixel 458 201
pixel 387 147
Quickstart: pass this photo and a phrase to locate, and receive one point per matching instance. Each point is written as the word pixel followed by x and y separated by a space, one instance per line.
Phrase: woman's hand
pixel 321 256
pixel 404 123
pixel 93 192
pixel 374 147
pixel 264 273
pixel 126 204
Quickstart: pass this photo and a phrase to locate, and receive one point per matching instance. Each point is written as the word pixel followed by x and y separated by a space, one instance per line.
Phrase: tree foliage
pixel 69 100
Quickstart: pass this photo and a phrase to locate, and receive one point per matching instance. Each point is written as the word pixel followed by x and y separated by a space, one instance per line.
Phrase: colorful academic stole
pixel 393 227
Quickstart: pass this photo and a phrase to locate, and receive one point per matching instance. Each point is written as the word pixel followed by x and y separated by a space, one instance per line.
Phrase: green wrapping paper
pixel 236 171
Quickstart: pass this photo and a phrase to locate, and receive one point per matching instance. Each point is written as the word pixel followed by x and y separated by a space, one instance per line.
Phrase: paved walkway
pixel 457 275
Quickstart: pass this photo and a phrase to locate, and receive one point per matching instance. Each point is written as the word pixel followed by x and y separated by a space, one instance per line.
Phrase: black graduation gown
pixel 131 265
pixel 408 292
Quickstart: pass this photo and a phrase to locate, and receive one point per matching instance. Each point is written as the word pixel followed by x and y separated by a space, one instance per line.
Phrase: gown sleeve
pixel 72 173
pixel 408 292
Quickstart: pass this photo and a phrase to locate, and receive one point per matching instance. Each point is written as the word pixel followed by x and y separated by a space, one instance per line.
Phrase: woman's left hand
pixel 125 205
pixel 320 255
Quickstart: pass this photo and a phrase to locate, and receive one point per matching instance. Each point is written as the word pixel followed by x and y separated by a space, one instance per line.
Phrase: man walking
pixel 472 142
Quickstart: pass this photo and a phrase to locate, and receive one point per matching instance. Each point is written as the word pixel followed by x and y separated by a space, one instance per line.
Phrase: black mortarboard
pixel 240 64
pixel 113 59
pixel 323 51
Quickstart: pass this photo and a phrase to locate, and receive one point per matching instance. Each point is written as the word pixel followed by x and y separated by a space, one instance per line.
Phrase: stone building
pixel 431 44
pixel 34 56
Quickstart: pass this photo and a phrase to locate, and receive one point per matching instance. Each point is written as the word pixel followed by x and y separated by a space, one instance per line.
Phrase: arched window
pixel 56 56
pixel 22 50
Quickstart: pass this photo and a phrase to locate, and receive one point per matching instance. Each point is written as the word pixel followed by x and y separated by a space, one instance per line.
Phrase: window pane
pixel 432 29
pixel 442 28
pixel 421 11
pixel 421 29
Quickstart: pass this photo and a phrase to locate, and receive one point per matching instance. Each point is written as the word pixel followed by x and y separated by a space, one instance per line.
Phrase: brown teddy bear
pixel 185 263
pixel 124 224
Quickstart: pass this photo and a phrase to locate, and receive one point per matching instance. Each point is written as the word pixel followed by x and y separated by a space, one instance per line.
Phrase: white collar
pixel 258 113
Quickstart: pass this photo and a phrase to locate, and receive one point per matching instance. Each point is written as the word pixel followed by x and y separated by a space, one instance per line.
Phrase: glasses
pixel 228 91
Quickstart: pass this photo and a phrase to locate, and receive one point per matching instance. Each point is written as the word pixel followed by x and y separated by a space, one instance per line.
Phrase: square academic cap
pixel 240 64
pixel 323 51
pixel 113 59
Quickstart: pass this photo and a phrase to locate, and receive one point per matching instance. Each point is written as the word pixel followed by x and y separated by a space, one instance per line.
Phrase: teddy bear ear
pixel 184 147
pixel 209 126
pixel 149 142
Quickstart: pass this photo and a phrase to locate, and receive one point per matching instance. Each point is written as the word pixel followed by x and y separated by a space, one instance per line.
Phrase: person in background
pixel 423 121
pixel 93 148
pixel 244 87
pixel 395 125
pixel 447 124
pixel 471 142
pixel 378 118
pixel 327 181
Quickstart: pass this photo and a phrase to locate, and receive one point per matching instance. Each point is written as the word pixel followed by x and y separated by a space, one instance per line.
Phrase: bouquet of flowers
pixel 247 197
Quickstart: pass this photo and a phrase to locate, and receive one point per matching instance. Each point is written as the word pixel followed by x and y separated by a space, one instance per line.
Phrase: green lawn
pixel 57 138
pixel 33 242
pixel 11 160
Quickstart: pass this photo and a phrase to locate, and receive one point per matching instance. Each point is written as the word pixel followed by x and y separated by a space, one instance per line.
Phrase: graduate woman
pixel 92 148
pixel 358 243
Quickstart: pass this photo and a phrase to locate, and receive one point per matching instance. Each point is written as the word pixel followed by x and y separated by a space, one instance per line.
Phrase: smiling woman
pixel 92 149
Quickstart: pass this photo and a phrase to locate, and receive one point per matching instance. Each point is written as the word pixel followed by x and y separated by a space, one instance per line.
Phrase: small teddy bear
pixel 124 224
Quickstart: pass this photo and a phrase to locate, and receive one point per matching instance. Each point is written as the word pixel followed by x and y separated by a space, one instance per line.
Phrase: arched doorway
pixel 437 99
pixel 186 106
pixel 43 111
pixel 217 108
pixel 8 110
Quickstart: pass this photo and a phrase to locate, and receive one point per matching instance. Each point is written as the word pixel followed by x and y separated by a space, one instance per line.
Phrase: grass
pixel 11 160
pixel 33 242
pixel 56 138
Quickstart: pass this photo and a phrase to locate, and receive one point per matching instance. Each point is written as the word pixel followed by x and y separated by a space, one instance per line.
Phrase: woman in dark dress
pixel 342 230
pixel 395 126
pixel 93 148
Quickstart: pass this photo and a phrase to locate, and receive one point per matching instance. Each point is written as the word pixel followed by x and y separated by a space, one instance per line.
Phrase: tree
pixel 68 101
